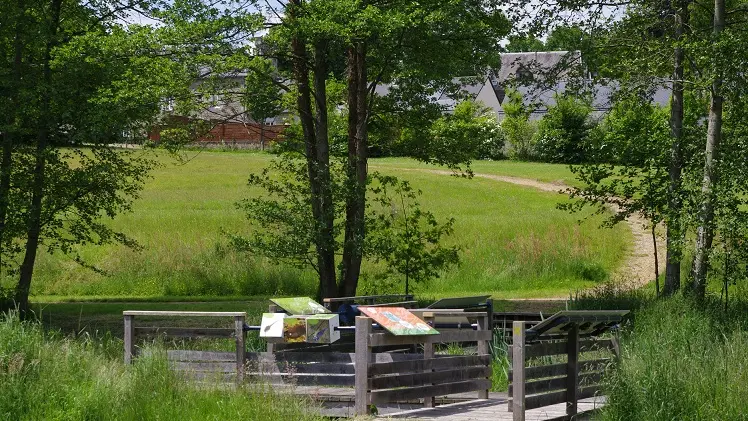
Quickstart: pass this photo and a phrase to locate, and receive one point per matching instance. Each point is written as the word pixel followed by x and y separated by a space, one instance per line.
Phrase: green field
pixel 550 173
pixel 514 242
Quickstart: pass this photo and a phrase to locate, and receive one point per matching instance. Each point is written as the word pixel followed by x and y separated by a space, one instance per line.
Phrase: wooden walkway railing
pixel 199 359
pixel 549 382
pixel 425 377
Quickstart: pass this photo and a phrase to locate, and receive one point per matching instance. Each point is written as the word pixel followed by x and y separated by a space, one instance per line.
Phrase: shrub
pixel 470 132
pixel 563 133
pixel 634 132
pixel 518 130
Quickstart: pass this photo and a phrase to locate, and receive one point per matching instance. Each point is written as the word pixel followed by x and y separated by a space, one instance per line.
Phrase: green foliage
pixel 635 132
pixel 470 132
pixel 524 44
pixel 635 135
pixel 48 377
pixel 283 226
pixel 406 238
pixel 399 233
pixel 563 132
pixel 262 97
pixel 517 127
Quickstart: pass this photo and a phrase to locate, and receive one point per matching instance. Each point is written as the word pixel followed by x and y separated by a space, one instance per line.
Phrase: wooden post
pixel 616 346
pixel 428 352
pixel 572 370
pixel 129 339
pixel 489 313
pixel 362 360
pixel 484 347
pixel 241 350
pixel 518 371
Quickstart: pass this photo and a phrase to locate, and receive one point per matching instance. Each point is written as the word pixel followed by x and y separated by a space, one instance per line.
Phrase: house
pixel 538 77
pixel 228 123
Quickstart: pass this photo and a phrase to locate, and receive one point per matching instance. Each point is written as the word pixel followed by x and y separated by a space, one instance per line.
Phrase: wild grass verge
pixel 681 360
pixel 45 377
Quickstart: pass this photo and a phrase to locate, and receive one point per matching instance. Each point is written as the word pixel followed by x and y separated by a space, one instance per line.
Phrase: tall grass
pixel 682 361
pixel 51 378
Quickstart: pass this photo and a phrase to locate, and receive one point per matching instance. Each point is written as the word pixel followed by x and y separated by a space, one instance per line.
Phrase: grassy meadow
pixel 514 242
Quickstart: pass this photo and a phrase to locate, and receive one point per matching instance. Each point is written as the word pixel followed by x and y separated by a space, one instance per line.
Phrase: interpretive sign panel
pixel 398 321
pixel 271 325
pixel 300 305
pixel 294 329
pixel 588 322
pixel 321 328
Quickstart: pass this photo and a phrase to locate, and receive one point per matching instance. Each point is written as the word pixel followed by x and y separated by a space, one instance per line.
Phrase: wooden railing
pixel 427 376
pixel 548 382
pixel 196 361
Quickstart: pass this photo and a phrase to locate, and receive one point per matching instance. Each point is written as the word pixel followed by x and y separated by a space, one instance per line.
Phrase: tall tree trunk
pixel 306 118
pixel 9 134
pixel 355 229
pixel 37 189
pixel 705 230
pixel 329 287
pixel 674 233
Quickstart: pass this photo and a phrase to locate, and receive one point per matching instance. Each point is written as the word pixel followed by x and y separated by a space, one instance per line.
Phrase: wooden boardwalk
pixel 338 402
pixel 493 410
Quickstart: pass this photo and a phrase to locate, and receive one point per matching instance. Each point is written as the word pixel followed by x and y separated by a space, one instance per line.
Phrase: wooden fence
pixel 549 382
pixel 195 361
pixel 428 375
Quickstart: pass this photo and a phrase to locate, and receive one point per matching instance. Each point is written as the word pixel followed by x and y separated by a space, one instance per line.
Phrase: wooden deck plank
pixel 491 409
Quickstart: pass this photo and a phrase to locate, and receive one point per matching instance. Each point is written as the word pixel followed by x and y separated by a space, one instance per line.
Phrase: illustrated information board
pixel 398 321
pixel 313 328
pixel 300 305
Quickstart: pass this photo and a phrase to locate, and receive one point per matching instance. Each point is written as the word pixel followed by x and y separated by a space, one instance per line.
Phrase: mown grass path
pixel 638 267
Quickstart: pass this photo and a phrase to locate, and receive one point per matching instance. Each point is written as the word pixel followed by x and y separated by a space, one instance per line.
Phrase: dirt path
pixel 638 268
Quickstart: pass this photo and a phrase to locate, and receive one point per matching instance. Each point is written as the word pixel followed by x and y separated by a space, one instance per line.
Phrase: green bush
pixel 563 132
pixel 634 132
pixel 518 130
pixel 49 378
pixel 682 361
pixel 470 132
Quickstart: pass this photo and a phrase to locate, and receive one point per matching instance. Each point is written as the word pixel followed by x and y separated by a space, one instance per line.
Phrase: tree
pixel 262 97
pixel 705 228
pixel 524 44
pixel 704 46
pixel 404 236
pixel 79 82
pixel 399 232
pixel 635 139
pixel 393 43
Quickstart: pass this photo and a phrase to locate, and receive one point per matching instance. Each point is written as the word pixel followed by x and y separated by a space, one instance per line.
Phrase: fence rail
pixel 424 377
pixel 555 382
pixel 236 332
